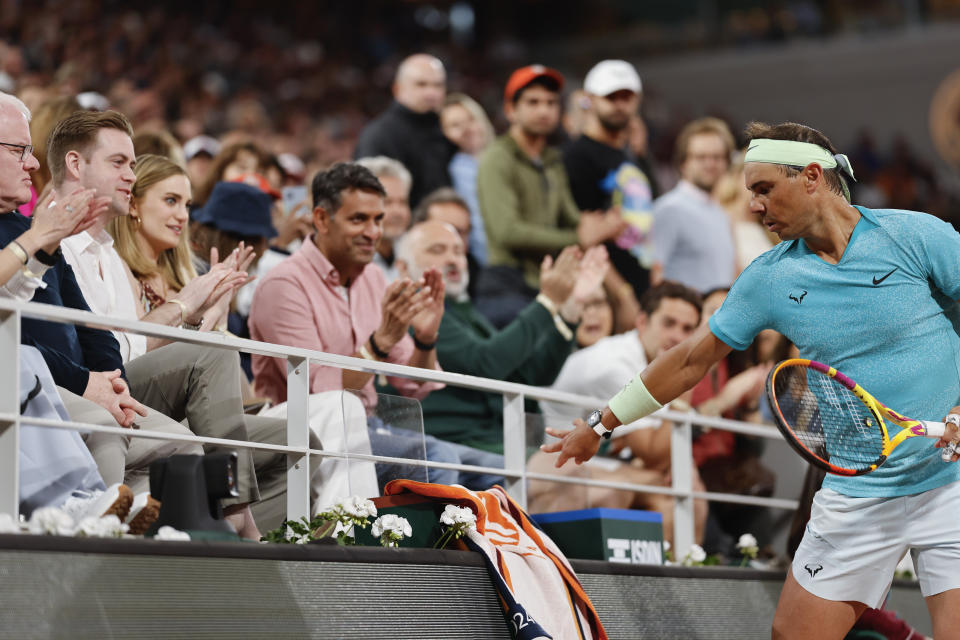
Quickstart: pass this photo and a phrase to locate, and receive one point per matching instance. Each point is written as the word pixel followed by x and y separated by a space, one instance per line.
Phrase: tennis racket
pixel 834 424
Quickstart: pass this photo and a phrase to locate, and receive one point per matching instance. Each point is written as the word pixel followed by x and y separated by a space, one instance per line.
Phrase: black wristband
pixel 423 346
pixel 48 259
pixel 377 351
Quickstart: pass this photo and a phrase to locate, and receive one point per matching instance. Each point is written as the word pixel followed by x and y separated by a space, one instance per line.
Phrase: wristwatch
pixel 593 421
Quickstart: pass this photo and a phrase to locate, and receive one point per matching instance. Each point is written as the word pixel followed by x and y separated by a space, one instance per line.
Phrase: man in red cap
pixel 525 198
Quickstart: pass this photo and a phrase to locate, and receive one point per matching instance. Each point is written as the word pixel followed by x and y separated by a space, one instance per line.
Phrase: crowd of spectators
pixel 295 203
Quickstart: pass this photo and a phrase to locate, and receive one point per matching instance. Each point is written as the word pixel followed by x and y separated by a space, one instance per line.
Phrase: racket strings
pixel 828 419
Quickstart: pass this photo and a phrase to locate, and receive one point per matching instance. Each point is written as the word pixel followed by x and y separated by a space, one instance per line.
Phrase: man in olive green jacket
pixel 525 198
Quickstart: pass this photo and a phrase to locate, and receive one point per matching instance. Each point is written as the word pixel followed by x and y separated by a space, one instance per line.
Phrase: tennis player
pixel 873 293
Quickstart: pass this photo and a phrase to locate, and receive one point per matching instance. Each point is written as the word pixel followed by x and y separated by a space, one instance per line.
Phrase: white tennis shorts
pixel 852 545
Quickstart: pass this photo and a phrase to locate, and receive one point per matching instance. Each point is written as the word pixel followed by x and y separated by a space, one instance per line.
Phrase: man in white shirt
pixel 99 270
pixel 670 312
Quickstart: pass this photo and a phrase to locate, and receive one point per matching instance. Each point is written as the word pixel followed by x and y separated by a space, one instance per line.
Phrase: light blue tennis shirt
pixel 885 315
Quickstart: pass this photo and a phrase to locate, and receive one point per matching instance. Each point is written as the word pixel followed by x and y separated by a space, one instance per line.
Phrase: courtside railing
pixel 298 389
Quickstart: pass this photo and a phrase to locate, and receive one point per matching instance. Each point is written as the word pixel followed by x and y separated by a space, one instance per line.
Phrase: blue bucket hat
pixel 238 208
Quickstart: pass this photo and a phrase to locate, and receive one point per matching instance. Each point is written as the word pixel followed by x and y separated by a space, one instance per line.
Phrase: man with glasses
pixel 691 233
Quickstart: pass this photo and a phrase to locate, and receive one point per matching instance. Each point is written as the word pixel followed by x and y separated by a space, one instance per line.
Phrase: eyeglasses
pixel 25 149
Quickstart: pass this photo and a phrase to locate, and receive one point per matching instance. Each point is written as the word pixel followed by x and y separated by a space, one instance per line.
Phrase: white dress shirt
pixel 600 371
pixel 102 275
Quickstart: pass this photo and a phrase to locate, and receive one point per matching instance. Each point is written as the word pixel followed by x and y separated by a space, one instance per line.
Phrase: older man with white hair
pixel 409 130
pixel 530 350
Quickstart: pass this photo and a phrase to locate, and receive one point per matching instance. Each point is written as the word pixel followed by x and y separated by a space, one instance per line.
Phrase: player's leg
pixel 945 614
pixel 935 538
pixel 843 565
pixel 800 614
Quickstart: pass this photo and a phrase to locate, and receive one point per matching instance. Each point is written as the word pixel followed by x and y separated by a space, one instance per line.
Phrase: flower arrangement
pixel 458 520
pixel 391 529
pixel 351 514
pixel 339 519
pixel 747 545
pixel 56 522
pixel 346 514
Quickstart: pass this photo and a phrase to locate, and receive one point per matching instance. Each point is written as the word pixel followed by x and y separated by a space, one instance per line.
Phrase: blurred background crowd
pixel 305 78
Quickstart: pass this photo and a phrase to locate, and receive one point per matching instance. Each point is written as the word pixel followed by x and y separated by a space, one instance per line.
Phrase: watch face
pixel 594 419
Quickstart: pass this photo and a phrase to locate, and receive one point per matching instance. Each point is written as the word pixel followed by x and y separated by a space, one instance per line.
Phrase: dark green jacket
pixel 528 210
pixel 529 350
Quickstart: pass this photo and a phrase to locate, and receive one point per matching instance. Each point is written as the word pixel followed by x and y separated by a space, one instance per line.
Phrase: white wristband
pixel 633 402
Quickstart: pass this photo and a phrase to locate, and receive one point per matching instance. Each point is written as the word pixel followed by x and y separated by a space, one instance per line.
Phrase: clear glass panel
pixel 393 428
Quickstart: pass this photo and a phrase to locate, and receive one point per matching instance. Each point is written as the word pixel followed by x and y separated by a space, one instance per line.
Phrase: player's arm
pixel 669 375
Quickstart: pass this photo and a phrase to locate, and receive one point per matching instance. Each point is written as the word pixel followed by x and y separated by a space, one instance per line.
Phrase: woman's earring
pixel 136 221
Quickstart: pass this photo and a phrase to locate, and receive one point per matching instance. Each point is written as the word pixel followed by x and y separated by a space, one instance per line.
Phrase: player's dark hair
pixel 834 178
pixel 652 298
pixel 546 82
pixel 328 186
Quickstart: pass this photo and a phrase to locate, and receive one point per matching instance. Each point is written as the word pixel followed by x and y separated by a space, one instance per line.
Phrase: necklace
pixel 149 297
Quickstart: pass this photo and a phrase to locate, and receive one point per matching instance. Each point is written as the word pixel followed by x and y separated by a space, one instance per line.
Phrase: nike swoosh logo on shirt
pixel 877 280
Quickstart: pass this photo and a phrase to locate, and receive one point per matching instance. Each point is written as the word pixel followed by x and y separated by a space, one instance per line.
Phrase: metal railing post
pixel 681 470
pixel 298 424
pixel 515 445
pixel 10 405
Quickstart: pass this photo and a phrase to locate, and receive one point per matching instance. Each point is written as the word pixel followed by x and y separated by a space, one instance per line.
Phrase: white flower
pixel 746 541
pixel 105 527
pixel 357 507
pixel 391 523
pixel 170 533
pixel 666 546
pixel 8 524
pixel 51 521
pixel 696 555
pixel 453 515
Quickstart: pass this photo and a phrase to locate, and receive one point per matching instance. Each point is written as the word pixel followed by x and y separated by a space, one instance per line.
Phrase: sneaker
pixel 143 513
pixel 115 500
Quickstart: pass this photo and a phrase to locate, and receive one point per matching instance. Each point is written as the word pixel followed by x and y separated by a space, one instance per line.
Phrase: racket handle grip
pixel 948 451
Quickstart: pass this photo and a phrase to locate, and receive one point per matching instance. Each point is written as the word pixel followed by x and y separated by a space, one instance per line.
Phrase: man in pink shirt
pixel 328 297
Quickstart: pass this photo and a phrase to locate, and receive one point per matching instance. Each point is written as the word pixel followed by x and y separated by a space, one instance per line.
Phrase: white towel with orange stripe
pixel 539 591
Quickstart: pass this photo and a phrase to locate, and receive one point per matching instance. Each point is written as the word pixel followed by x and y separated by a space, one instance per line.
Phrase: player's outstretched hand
pixel 952 433
pixel 580 443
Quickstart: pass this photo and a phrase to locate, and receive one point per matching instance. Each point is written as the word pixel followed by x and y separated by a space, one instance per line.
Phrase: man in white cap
pixel 602 172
